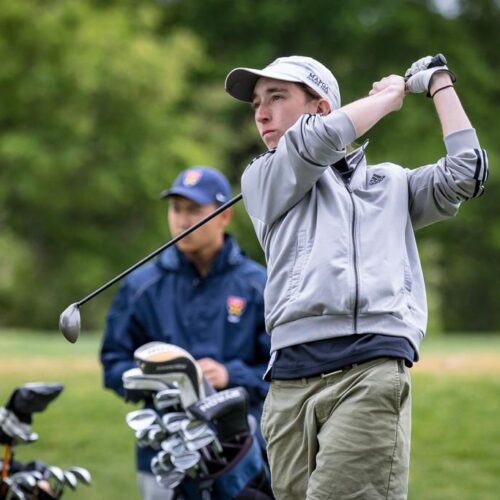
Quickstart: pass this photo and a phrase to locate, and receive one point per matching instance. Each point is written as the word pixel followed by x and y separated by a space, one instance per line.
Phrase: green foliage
pixel 102 103
pixel 90 132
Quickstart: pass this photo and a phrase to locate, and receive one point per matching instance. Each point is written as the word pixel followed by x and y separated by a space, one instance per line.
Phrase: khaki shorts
pixel 344 435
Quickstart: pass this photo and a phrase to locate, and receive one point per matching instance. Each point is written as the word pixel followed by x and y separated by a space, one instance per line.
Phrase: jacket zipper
pixel 353 233
pixel 355 259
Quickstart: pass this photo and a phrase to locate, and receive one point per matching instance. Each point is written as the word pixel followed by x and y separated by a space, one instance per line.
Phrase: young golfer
pixel 345 297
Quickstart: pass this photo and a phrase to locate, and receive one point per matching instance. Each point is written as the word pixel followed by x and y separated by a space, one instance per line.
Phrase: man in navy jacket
pixel 202 295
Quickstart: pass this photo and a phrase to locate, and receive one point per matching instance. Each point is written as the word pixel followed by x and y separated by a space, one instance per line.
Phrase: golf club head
pixel 186 460
pixel 141 419
pixel 167 398
pixel 15 492
pixel 82 474
pixel 69 323
pixel 170 480
pixel 55 472
pixel 24 479
pixel 173 444
pixel 173 421
pixel 173 365
pixel 70 479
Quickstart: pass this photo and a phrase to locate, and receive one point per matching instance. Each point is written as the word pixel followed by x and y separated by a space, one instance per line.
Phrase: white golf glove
pixel 419 75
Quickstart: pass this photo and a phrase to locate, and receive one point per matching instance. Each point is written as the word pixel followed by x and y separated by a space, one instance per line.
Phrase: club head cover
pixel 172 364
pixel 32 398
pixel 227 410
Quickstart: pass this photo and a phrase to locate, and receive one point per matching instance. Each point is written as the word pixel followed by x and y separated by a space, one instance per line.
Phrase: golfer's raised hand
pixel 393 86
pixel 419 76
pixel 215 372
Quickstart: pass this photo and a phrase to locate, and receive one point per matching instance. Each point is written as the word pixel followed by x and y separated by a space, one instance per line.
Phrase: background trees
pixel 102 103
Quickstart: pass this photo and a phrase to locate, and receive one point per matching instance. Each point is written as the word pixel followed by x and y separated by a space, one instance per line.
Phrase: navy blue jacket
pixel 220 316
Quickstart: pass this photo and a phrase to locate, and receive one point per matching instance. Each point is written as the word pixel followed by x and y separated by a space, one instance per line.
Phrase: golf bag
pixel 33 480
pixel 203 440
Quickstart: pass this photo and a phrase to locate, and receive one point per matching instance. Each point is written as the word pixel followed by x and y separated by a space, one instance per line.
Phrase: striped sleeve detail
pixel 481 172
pixel 268 152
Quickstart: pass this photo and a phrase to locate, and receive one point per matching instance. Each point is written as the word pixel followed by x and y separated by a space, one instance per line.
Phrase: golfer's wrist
pixel 439 79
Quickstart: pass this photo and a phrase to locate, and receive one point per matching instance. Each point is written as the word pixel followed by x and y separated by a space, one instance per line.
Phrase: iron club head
pixel 69 323
pixel 81 474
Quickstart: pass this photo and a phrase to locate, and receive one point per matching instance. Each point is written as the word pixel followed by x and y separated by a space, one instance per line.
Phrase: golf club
pixel 69 320
pixel 83 475
pixel 139 420
pixel 70 479
pixel 437 60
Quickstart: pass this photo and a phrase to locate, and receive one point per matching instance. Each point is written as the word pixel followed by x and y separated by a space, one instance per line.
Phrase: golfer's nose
pixel 262 113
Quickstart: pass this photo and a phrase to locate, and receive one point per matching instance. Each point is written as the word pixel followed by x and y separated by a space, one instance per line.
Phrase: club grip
pixel 438 60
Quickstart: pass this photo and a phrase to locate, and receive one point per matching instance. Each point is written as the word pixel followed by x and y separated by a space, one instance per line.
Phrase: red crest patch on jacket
pixel 235 308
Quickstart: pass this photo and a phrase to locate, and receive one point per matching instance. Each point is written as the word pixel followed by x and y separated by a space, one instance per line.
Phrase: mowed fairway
pixel 456 405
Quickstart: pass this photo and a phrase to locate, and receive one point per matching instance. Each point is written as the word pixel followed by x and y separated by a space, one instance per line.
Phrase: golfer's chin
pixel 186 246
pixel 270 140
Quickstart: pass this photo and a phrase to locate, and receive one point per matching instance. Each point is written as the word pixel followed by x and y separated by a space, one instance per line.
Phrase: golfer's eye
pixel 255 105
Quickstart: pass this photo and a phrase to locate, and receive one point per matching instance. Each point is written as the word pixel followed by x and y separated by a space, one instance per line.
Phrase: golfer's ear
pixel 227 216
pixel 323 107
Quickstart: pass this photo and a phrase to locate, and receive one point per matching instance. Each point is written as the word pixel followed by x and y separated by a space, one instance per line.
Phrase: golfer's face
pixel 277 106
pixel 183 213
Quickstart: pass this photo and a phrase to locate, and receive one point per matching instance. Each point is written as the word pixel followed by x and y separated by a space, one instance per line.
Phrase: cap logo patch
pixel 235 308
pixel 318 82
pixel 192 177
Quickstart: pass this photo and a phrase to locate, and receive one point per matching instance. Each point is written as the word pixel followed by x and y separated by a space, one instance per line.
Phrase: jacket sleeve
pixel 118 346
pixel 436 191
pixel 275 181
pixel 249 374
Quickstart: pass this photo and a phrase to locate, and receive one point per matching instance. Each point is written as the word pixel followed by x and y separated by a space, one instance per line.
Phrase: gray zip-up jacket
pixel 342 258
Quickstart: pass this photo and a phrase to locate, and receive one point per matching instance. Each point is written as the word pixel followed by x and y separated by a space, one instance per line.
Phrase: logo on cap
pixel 235 308
pixel 318 82
pixel 192 177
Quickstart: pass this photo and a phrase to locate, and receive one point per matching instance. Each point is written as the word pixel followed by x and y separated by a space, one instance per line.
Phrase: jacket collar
pixel 230 255
pixel 356 163
pixel 357 157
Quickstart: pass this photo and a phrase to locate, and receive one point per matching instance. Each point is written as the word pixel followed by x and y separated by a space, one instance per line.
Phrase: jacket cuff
pixel 237 371
pixel 461 140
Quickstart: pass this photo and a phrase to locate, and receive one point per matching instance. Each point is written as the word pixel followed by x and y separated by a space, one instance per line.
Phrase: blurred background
pixel 102 103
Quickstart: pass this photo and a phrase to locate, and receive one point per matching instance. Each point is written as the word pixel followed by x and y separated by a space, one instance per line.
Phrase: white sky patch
pixel 447 8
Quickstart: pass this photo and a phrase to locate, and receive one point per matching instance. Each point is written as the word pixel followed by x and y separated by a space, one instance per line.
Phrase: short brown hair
pixel 310 94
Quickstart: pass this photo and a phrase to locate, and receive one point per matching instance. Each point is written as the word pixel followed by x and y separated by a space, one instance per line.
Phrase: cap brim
pixel 240 82
pixel 190 194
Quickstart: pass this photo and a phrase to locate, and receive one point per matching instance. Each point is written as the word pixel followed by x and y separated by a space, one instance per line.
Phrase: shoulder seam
pixel 270 151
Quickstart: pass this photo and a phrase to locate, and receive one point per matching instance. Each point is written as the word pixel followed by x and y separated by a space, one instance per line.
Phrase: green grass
pixel 464 342
pixel 456 436
pixel 85 425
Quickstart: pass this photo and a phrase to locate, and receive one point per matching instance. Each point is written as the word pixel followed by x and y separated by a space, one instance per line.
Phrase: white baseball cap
pixel 240 82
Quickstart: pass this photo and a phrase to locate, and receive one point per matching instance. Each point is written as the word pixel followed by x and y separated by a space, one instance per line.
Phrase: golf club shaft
pixel 159 250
